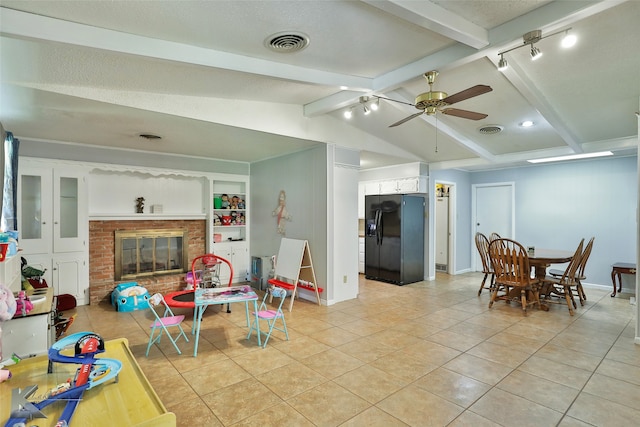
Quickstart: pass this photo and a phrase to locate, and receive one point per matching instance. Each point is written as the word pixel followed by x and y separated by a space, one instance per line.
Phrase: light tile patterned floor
pixel 425 354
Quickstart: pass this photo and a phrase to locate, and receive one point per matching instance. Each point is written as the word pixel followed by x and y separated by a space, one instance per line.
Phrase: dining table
pixel 540 259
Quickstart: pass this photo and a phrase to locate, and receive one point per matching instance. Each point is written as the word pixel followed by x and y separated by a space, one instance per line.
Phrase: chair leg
pixel 482 284
pixel 567 296
pixel 523 299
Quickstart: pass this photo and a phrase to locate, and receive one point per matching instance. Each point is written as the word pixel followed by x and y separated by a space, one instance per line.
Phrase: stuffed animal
pixel 23 305
pixel 7 308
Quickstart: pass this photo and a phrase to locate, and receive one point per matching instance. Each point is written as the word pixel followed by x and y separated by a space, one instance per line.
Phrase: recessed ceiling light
pixel 526 124
pixel 344 87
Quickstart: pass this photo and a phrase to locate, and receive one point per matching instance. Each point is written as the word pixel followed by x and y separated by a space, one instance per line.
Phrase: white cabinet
pixel 228 224
pixel 32 334
pixel 410 185
pixel 53 224
pixel 237 253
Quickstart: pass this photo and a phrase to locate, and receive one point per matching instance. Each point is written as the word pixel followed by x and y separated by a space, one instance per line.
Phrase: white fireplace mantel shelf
pixel 144 216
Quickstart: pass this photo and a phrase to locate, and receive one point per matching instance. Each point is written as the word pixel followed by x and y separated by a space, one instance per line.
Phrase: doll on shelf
pixel 225 201
pixel 240 204
pixel 234 202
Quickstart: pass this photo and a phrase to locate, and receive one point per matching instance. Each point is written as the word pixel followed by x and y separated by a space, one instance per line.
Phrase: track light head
pixel 569 40
pixel 375 105
pixel 502 64
pixel 535 53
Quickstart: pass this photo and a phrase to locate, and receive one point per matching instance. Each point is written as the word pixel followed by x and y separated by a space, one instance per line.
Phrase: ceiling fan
pixel 433 101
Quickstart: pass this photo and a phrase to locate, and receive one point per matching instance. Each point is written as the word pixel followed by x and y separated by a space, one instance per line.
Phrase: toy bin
pixel 130 297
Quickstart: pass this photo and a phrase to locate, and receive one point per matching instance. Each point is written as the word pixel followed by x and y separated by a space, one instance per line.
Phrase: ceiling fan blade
pixel 471 115
pixel 467 93
pixel 406 119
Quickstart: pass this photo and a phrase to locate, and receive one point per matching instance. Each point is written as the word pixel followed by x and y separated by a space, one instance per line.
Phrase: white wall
pixel 558 204
pixel 303 176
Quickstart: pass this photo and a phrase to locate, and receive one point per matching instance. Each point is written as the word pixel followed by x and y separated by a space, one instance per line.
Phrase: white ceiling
pixel 198 74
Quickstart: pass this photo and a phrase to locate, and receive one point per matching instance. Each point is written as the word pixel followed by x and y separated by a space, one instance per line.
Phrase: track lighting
pixel 535 53
pixel 530 39
pixel 502 64
pixel 368 104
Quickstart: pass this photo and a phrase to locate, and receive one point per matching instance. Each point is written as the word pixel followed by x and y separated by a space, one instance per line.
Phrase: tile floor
pixel 425 354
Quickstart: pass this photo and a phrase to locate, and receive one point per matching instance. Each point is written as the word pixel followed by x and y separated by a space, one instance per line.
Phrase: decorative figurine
pixel 225 201
pixel 281 212
pixel 140 205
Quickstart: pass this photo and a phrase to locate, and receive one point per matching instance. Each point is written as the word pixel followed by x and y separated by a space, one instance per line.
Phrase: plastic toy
pixel 23 304
pixel 93 372
pixel 5 374
pixel 129 297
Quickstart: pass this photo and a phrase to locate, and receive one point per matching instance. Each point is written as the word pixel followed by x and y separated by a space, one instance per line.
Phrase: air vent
pixel 287 42
pixel 149 136
pixel 490 129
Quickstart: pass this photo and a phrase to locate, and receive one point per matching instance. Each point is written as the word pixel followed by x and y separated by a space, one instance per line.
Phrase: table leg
pixel 198 322
pixel 615 274
pixel 541 273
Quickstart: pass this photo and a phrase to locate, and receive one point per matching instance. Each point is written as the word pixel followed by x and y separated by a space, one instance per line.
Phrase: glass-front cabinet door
pixel 34 210
pixel 68 220
pixel 51 213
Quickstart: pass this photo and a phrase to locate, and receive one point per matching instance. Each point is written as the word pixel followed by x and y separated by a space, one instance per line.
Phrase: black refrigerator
pixel 394 238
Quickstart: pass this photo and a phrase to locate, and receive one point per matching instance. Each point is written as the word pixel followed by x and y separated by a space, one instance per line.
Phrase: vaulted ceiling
pixel 201 75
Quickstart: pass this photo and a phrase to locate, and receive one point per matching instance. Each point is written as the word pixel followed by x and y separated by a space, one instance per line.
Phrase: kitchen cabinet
pixel 53 224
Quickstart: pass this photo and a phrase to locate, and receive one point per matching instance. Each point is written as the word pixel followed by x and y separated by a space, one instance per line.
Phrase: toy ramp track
pixel 91 373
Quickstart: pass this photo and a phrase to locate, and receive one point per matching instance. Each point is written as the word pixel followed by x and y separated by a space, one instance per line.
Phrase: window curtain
pixel 9 220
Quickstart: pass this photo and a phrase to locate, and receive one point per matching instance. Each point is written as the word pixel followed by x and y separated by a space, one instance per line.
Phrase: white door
pixel 35 210
pixel 493 212
pixel 69 206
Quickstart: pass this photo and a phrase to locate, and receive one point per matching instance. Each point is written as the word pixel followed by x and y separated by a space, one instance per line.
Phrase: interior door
pixel 494 212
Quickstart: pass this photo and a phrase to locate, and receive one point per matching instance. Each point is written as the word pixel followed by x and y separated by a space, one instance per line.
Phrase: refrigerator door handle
pixel 378 227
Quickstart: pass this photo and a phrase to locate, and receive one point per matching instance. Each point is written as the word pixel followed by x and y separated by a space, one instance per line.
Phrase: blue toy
pixel 129 297
pixel 92 372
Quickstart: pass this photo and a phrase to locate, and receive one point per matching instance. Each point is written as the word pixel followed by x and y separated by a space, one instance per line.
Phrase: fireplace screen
pixel 141 253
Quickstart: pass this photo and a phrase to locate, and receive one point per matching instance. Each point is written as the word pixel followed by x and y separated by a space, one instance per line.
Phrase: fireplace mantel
pixel 143 216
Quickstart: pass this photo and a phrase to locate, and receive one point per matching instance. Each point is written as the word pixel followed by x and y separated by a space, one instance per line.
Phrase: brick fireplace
pixel 102 255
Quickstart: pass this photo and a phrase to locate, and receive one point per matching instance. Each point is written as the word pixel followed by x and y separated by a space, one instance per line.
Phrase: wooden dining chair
pixel 494 236
pixel 482 243
pixel 513 274
pixel 565 285
pixel 580 275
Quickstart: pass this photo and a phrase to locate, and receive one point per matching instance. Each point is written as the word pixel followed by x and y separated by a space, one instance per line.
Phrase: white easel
pixel 294 268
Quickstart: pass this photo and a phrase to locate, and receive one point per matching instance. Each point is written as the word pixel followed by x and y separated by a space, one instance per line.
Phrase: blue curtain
pixel 9 220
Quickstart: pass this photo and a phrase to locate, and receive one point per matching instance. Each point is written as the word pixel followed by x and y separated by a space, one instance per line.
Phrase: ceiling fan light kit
pixel 433 102
pixel 533 37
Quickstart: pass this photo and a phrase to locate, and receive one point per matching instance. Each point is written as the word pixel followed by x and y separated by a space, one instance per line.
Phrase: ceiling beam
pixel 550 16
pixel 437 19
pixel 19 24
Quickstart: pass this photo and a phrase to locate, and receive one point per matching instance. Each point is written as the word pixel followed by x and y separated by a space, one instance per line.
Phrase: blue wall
pixel 556 205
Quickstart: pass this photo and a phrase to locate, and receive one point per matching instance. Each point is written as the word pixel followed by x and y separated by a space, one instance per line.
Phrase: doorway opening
pixel 444 227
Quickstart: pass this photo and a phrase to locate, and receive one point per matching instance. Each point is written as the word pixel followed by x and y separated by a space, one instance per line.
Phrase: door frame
pixel 474 219
pixel 451 258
